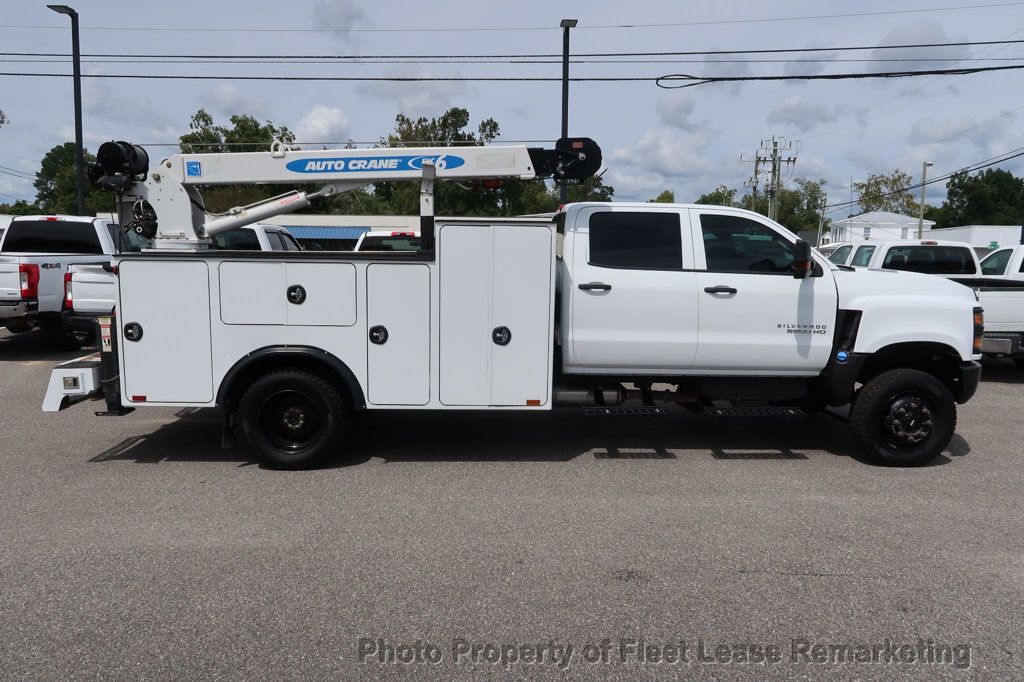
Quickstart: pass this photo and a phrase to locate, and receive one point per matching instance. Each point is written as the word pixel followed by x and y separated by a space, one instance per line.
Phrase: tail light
pixel 69 299
pixel 29 280
pixel 979 328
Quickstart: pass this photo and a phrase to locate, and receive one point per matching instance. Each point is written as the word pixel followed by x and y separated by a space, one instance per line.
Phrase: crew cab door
pixel 755 317
pixel 632 291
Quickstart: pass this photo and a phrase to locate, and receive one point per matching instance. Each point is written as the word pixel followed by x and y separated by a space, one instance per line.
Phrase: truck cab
pixel 943 258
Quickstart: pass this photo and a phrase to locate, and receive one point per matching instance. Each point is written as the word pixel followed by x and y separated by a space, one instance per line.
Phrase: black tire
pixel 903 417
pixel 293 420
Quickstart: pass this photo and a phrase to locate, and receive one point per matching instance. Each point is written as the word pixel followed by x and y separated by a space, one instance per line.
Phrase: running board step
pixel 754 412
pixel 623 411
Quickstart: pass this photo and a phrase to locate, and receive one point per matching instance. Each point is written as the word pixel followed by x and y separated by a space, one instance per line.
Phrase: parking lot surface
pixel 136 546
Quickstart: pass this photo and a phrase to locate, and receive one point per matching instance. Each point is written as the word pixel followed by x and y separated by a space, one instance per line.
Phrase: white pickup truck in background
pixel 928 256
pixel 388 240
pixel 90 289
pixel 35 254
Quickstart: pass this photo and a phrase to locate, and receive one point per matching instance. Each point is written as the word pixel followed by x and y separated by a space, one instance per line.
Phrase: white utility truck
pixel 35 254
pixel 602 304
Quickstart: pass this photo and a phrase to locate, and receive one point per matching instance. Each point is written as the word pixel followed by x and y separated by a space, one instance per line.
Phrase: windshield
pixel 390 243
pixel 931 259
pixel 995 263
pixel 51 236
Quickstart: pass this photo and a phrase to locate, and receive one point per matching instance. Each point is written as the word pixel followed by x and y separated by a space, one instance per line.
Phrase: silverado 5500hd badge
pixel 374 163
pixel 803 328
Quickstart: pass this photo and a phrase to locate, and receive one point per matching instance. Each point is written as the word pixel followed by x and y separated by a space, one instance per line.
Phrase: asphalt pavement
pixel 489 546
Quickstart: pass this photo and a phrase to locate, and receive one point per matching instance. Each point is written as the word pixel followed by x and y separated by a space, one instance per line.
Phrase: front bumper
pixel 9 309
pixel 967 381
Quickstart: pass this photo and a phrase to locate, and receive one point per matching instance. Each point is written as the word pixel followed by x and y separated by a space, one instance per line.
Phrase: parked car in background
pixel 35 254
pixel 387 240
pixel 90 288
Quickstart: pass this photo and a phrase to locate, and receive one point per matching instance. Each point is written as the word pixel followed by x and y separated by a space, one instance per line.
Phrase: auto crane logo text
pixel 373 163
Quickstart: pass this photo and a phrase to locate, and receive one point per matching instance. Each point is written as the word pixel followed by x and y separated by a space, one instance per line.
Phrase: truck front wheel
pixel 293 420
pixel 903 417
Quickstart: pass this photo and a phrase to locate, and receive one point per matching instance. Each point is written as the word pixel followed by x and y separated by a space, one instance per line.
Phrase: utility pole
pixel 769 155
pixel 821 219
pixel 566 24
pixel 920 209
pixel 773 193
pixel 76 59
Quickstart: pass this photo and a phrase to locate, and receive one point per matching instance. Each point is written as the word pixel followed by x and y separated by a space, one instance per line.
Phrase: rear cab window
pixel 640 240
pixel 398 242
pixel 931 259
pixel 238 239
pixel 51 236
pixel 863 256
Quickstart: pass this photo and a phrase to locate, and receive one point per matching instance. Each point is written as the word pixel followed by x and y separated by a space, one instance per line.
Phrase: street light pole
pixel 77 73
pixel 566 24
pixel 920 209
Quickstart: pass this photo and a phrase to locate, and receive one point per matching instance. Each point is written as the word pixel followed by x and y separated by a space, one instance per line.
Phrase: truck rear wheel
pixel 293 420
pixel 904 417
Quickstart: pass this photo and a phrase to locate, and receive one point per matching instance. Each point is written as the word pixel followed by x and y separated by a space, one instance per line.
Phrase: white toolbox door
pixel 464 264
pixel 172 361
pixel 521 276
pixel 398 299
pixel 252 292
pixel 330 294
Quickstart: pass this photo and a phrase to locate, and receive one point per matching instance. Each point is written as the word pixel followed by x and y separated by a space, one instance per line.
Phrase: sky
pixel 688 141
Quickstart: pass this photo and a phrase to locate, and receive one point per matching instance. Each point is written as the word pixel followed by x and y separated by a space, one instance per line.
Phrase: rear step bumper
pixel 73 381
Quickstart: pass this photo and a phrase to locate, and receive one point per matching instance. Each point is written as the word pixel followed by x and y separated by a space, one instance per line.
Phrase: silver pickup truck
pixel 36 253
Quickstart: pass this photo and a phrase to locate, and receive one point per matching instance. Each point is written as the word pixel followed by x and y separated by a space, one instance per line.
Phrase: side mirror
pixel 803 264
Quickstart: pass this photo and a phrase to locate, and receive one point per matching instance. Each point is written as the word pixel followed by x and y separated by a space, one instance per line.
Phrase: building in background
pixel 983 238
pixel 878 225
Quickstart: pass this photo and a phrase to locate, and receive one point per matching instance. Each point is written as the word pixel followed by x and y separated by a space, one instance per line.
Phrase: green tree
pixel 887 192
pixel 56 187
pixel 720 196
pixel 799 205
pixel 19 207
pixel 245 134
pixel 666 197
pixel 991 197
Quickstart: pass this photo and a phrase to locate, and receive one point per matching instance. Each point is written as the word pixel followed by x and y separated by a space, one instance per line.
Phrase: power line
pixel 538 55
pixel 688 80
pixel 456 29
pixel 1012 154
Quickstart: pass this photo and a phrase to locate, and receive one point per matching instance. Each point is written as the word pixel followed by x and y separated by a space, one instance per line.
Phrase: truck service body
pixel 604 303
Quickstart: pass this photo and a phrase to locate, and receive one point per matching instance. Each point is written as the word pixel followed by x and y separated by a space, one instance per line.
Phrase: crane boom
pixel 164 203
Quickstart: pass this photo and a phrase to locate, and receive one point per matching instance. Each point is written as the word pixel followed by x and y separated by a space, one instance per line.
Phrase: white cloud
pixel 119 105
pixel 921 32
pixel 666 152
pixel 809 63
pixel 802 113
pixel 323 124
pixel 675 110
pixel 227 100
pixel 340 16
pixel 415 98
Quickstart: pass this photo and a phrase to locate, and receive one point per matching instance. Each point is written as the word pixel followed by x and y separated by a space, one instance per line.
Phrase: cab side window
pixel 863 256
pixel 738 244
pixel 640 240
pixel 840 255
pixel 996 263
